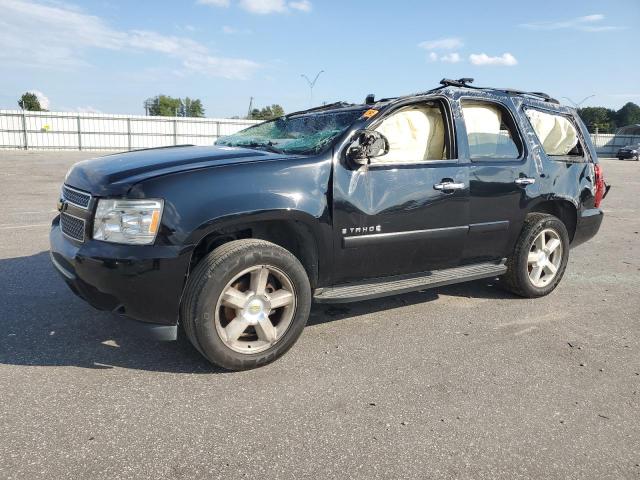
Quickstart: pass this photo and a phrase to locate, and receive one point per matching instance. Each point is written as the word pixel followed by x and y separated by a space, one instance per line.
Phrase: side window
pixel 556 133
pixel 415 134
pixel 491 132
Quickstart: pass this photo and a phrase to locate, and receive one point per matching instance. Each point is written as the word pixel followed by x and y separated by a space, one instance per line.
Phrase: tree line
pixel 167 106
pixel 607 120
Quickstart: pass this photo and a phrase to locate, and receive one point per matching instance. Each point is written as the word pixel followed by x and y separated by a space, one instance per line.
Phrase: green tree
pixel 166 106
pixel 191 108
pixel 629 114
pixel 29 101
pixel 163 106
pixel 603 119
pixel 267 113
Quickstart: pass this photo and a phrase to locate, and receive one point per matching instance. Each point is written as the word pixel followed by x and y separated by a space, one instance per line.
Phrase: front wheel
pixel 539 258
pixel 246 304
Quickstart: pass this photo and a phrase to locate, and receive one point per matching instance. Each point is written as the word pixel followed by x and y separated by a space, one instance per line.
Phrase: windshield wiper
pixel 269 146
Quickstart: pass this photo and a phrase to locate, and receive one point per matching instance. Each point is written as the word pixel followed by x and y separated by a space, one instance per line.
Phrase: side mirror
pixel 367 144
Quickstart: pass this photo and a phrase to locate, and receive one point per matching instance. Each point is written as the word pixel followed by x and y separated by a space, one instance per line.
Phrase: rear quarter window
pixel 557 134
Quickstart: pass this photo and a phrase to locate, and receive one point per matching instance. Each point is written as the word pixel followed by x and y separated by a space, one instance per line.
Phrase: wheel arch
pixel 561 208
pixel 297 232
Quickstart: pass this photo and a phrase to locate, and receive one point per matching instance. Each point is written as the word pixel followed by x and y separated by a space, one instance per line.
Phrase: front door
pixel 407 211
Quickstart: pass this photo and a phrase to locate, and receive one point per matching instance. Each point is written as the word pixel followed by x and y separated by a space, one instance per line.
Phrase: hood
pixel 116 174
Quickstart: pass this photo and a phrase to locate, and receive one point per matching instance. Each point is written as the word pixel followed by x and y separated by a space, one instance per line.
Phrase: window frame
pixel 584 158
pixel 520 143
pixel 449 126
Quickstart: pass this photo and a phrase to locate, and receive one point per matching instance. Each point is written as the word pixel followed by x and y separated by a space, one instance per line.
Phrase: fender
pixel 200 202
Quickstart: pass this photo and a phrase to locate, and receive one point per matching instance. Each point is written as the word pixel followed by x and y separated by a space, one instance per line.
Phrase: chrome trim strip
pixel 77 191
pixel 378 238
pixel 486 227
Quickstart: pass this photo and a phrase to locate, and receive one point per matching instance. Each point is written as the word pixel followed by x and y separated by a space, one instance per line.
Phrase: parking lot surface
pixel 464 381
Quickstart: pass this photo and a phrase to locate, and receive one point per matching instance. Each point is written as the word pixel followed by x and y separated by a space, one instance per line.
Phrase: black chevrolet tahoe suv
pixel 334 204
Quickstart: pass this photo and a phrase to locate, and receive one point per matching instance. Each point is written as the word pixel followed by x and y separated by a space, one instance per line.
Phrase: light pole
pixel 577 104
pixel 311 85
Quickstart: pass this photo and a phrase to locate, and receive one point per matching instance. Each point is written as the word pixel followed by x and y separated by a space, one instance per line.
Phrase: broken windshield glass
pixel 305 134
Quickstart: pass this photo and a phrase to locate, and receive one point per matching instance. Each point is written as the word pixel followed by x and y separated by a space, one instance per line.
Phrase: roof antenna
pixel 371 99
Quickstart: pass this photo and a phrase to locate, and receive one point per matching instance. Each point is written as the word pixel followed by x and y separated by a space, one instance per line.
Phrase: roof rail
pixel 544 96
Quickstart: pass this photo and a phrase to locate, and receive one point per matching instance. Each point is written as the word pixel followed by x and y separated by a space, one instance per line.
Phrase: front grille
pixel 72 226
pixel 76 197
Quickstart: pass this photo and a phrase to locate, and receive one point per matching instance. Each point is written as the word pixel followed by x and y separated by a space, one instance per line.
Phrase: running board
pixel 384 286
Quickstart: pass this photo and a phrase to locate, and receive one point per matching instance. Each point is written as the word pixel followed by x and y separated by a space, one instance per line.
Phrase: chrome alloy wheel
pixel 545 257
pixel 255 309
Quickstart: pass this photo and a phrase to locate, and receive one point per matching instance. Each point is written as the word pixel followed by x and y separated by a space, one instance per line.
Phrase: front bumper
pixel 144 283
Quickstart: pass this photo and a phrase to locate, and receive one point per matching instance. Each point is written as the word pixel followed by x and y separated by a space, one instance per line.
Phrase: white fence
pixel 607 144
pixel 96 131
pixel 92 131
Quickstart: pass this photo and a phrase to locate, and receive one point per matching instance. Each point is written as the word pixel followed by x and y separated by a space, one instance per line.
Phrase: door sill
pixel 385 286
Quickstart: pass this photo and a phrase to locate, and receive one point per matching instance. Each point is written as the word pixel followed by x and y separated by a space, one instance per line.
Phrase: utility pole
pixel 250 108
pixel 311 85
pixel 577 104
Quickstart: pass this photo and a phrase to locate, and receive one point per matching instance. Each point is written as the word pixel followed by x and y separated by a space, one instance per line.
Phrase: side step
pixel 384 286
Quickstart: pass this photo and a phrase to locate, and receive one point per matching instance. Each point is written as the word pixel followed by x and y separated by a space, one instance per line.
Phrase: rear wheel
pixel 540 257
pixel 246 304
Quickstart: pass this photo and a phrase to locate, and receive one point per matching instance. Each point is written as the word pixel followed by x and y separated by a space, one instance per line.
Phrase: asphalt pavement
pixel 464 381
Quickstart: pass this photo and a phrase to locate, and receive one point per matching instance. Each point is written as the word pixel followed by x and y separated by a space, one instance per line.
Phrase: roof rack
pixel 461 82
pixel 465 83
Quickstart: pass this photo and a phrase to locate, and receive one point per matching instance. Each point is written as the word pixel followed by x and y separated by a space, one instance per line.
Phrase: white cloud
pixel 506 59
pixel 215 3
pixel 42 99
pixel 70 33
pixel 433 56
pixel 450 43
pixel 264 7
pixel 586 23
pixel 302 5
pixel 453 57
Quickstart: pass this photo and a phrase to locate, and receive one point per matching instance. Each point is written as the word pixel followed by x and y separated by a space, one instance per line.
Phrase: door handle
pixel 525 181
pixel 448 186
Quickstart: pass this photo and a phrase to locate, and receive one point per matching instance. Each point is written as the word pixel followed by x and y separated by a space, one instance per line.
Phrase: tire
pixel 244 328
pixel 522 270
pixel 636 158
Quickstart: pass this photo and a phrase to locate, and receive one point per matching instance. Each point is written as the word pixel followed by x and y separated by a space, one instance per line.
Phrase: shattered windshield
pixel 305 133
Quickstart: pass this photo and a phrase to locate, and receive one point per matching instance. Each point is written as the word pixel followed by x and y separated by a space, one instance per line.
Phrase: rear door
pixel 408 211
pixel 502 177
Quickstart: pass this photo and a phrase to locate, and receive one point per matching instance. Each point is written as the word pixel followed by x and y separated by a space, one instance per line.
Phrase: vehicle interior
pixel 415 133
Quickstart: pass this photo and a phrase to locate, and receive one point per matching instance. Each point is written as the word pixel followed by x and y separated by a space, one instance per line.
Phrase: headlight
pixel 127 221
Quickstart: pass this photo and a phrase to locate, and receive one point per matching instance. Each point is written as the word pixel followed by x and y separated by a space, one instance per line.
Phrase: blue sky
pixel 109 55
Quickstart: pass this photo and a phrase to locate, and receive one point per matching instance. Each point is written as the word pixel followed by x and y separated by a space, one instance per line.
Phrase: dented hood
pixel 116 174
